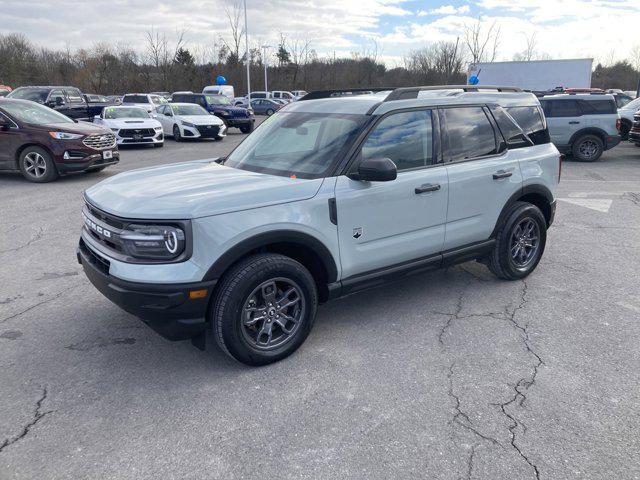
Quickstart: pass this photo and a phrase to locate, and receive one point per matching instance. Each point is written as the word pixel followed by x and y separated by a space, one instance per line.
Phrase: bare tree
pixel 635 56
pixel 482 43
pixel 237 27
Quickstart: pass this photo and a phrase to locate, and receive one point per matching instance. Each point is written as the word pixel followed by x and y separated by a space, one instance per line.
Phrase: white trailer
pixel 538 75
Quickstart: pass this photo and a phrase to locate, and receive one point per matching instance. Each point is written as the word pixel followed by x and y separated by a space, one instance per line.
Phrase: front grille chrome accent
pixel 100 141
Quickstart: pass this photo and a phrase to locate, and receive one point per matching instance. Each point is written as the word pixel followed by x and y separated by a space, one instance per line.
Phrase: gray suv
pixel 583 125
pixel 328 197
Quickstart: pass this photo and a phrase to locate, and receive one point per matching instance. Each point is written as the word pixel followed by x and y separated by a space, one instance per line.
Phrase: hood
pixel 82 128
pixel 201 119
pixel 194 189
pixel 132 123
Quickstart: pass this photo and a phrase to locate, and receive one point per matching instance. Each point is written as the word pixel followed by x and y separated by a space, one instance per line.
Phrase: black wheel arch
pixel 537 195
pixel 32 144
pixel 302 247
pixel 598 132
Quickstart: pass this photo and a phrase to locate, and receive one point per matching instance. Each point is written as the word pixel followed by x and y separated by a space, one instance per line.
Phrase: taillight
pixel 619 125
pixel 560 167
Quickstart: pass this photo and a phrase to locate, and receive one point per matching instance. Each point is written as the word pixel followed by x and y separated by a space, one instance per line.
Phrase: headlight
pixel 153 242
pixel 188 124
pixel 65 135
pixel 157 129
pixel 115 129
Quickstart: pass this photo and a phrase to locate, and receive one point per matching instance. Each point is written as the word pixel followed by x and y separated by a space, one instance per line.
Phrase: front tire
pixel 270 112
pixel 520 242
pixel 264 309
pixel 247 128
pixel 176 133
pixel 37 165
pixel 587 148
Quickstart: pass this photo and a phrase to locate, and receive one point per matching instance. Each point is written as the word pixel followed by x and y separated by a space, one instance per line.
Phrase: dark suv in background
pixel 42 143
pixel 67 100
pixel 221 107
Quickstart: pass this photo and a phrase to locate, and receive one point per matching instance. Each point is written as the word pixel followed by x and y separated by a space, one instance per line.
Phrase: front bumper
pixel 204 131
pixel 238 122
pixel 166 308
pixel 140 140
pixel 79 160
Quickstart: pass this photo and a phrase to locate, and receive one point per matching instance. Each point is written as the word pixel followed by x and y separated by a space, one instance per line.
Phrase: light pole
pixel 246 42
pixel 264 61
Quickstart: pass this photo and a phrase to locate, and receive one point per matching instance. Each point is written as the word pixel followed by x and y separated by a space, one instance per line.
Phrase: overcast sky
pixel 603 29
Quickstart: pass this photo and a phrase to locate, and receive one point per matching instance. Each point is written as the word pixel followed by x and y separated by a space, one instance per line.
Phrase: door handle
pixel 501 174
pixel 427 187
pixel 574 123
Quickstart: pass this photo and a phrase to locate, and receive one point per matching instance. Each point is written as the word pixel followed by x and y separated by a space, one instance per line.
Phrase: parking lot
pixel 452 374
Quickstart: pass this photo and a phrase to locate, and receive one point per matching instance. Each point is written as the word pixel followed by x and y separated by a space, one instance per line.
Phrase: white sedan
pixel 188 120
pixel 131 126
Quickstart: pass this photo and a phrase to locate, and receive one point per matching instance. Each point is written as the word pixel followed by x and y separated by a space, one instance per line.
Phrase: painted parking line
pixel 598 204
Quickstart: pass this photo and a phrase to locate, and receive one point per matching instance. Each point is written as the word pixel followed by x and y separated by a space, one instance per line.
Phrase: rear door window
pixel 531 122
pixel 510 129
pixel 74 95
pixel 598 107
pixel 468 134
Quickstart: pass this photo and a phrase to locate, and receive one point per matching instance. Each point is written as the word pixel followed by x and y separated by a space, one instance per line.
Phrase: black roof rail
pixel 339 92
pixel 407 93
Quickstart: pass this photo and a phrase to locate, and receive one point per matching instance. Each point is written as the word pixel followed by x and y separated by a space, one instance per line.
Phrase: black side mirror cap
pixel 375 170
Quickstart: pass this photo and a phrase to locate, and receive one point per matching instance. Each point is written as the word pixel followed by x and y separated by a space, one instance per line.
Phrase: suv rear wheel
pixel 588 148
pixel 37 165
pixel 264 309
pixel 520 242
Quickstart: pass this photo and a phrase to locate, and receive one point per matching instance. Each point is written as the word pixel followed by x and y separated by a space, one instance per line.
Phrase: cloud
pixel 445 10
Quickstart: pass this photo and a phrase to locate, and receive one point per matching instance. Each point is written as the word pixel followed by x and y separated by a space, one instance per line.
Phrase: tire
pixel 158 145
pixel 502 263
pixel 247 128
pixel 36 165
pixel 587 148
pixel 270 112
pixel 250 282
pixel 176 133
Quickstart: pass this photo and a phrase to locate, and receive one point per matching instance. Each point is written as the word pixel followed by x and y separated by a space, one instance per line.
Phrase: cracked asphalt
pixel 447 375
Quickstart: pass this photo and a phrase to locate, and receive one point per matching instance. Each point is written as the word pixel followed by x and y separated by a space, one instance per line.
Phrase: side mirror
pixel 59 102
pixel 168 114
pixel 375 170
pixel 4 124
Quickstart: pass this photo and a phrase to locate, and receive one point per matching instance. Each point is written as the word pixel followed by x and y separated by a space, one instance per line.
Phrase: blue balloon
pixel 220 80
pixel 473 80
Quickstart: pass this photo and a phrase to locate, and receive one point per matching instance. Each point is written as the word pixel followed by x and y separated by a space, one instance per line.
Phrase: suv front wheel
pixel 264 309
pixel 520 242
pixel 36 165
pixel 588 148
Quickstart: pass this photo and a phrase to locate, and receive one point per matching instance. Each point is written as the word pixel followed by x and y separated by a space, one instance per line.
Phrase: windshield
pixel 35 114
pixel 633 105
pixel 111 113
pixel 218 100
pixel 33 94
pixel 158 100
pixel 135 99
pixel 190 109
pixel 305 145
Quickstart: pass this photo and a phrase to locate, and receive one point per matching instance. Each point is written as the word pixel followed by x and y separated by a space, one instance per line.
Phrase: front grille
pixel 100 141
pixel 132 132
pixel 208 131
pixel 105 217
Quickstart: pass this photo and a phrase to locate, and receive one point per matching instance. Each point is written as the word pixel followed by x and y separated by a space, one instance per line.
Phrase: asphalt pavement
pixel 447 375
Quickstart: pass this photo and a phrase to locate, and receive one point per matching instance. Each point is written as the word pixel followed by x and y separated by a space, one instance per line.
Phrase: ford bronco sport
pixel 327 197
